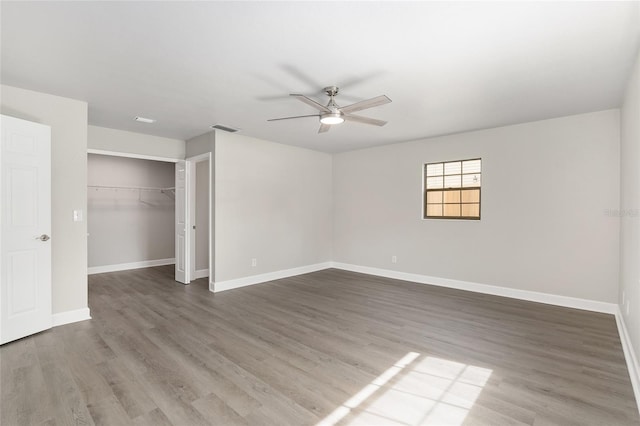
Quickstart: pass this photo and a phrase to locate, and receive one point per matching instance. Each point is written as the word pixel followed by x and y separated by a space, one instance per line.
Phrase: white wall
pixel 127 226
pixel 272 202
pixel 202 215
pixel 68 121
pixel 630 208
pixel 112 140
pixel 546 190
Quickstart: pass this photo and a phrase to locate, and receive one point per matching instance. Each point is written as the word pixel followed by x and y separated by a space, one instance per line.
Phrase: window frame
pixel 443 189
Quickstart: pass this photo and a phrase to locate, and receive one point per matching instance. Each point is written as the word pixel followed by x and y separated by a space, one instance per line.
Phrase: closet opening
pixel 131 211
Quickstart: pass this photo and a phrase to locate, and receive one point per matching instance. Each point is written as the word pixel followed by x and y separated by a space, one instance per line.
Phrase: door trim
pixel 132 155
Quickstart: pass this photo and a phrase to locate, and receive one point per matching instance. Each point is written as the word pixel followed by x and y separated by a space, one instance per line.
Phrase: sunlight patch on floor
pixel 414 391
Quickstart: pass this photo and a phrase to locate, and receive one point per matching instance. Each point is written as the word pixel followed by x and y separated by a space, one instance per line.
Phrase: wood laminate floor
pixel 331 347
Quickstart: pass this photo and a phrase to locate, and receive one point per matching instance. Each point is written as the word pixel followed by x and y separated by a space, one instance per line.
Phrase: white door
pixel 25 227
pixel 182 224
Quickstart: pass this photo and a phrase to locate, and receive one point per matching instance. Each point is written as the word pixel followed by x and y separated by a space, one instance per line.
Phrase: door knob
pixel 43 237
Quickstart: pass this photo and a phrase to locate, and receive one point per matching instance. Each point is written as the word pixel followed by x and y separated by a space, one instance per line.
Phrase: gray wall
pixel 201 144
pixel 272 202
pixel 202 215
pixel 127 226
pixel 546 190
pixel 68 121
pixel 630 208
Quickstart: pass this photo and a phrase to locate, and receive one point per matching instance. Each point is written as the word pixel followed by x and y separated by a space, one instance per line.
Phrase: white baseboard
pixel 532 296
pixel 269 276
pixel 629 356
pixel 68 317
pixel 133 265
pixel 200 273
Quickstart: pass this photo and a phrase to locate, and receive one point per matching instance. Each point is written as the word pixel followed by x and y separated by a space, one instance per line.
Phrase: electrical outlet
pixel 254 262
pixel 394 259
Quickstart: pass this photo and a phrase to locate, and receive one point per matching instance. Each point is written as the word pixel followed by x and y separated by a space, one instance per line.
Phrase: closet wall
pixel 129 227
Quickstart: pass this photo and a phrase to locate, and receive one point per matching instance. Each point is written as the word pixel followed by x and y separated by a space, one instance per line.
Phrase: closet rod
pixel 132 188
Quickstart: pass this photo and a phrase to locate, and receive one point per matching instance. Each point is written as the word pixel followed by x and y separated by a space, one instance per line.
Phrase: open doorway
pixel 199 206
pixel 130 213
pixel 187 193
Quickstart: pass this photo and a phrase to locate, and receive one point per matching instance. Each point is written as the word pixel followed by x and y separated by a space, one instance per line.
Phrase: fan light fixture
pixel 333 114
pixel 331 118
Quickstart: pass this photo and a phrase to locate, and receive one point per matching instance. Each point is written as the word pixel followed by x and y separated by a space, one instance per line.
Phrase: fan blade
pixel 365 120
pixel 369 103
pixel 355 80
pixel 324 128
pixel 289 118
pixel 311 102
pixel 300 75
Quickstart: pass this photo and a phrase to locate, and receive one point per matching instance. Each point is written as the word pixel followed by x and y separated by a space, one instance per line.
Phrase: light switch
pixel 77 215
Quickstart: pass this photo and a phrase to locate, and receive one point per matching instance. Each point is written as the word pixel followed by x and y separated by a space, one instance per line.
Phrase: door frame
pixel 132 155
pixel 191 208
pixel 190 176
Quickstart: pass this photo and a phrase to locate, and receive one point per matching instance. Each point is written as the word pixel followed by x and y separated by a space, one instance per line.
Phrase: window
pixel 452 190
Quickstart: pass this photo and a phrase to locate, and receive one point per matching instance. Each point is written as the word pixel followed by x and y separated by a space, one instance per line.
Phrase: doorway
pixel 193 249
pixel 199 206
pixel 130 213
pixel 156 196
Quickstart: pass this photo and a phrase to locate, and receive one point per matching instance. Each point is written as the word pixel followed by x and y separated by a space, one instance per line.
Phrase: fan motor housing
pixel 331 90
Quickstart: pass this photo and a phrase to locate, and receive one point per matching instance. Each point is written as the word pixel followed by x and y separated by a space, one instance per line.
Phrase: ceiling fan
pixel 334 114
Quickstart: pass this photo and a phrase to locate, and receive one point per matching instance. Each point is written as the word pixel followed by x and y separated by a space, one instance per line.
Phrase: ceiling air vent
pixel 145 120
pixel 225 128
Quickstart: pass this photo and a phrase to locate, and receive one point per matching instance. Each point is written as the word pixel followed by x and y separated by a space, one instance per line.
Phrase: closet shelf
pixel 134 188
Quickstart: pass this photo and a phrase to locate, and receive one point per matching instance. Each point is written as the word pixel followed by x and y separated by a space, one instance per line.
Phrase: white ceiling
pixel 448 66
